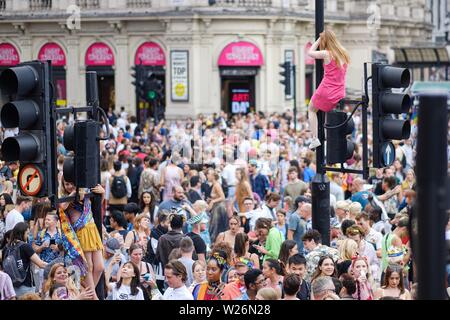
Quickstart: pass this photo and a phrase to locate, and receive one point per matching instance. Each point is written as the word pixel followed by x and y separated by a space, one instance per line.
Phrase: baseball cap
pixel 131 207
pixel 111 245
pixel 253 162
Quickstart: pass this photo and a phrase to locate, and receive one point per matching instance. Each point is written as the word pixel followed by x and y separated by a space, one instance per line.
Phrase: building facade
pixel 211 55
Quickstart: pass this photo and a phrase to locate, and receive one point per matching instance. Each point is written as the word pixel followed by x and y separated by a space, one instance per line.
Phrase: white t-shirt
pixel 229 173
pixel 124 293
pixel 181 293
pixel 12 218
pixel 255 215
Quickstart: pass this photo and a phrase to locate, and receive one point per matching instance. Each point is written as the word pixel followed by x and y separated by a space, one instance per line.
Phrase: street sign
pixel 31 180
pixel 388 153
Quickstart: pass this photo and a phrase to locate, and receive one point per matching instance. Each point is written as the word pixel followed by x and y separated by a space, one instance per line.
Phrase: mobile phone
pixel 147 277
pixel 52 241
pixel 62 293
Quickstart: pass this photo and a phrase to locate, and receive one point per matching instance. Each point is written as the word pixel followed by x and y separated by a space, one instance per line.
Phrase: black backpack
pixel 13 265
pixel 119 187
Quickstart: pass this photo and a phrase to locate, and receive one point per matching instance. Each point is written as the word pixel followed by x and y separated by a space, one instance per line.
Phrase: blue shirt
pixel 308 174
pixel 260 185
pixel 48 254
pixel 297 225
pixel 362 197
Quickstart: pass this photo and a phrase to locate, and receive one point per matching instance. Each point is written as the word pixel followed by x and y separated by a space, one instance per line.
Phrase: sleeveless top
pixel 332 88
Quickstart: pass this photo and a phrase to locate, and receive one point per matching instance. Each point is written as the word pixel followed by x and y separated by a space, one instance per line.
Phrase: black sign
pixel 240 100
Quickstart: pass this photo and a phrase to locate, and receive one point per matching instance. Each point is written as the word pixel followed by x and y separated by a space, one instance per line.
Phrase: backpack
pixel 13 264
pixel 119 187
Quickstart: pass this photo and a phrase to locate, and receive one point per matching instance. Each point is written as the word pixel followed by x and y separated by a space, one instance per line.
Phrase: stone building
pixel 211 55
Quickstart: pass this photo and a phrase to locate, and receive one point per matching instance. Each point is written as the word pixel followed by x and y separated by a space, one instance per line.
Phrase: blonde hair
pixel 329 41
pixel 268 294
pixel 137 221
pixel 347 249
pixel 51 280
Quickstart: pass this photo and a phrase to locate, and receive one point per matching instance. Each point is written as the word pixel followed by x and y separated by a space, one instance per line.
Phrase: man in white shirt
pixel 269 208
pixel 370 235
pixel 251 213
pixel 15 216
pixel 176 276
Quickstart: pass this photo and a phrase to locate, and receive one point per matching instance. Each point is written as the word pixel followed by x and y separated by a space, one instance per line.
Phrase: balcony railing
pixel 36 5
pixel 244 3
pixel 88 4
pixel 139 3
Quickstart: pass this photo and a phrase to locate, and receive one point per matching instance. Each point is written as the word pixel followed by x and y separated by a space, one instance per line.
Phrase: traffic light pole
pixel 320 186
pixel 429 244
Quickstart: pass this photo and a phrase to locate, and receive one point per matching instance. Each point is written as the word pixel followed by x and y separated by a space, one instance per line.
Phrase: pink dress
pixel 332 88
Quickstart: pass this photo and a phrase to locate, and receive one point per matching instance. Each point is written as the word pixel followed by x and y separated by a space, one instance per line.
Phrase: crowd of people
pixel 212 208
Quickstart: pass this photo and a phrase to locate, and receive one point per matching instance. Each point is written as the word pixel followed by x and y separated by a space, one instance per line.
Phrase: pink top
pixel 332 87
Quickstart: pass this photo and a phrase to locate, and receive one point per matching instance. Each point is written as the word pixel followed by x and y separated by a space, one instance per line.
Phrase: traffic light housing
pixel 286 68
pixel 82 169
pixel 29 108
pixel 151 87
pixel 138 82
pixel 386 104
pixel 339 147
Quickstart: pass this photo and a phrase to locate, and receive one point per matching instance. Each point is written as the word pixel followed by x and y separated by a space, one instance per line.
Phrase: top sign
pixel 241 54
pixel 151 54
pixel 99 54
pixel 52 51
pixel 8 55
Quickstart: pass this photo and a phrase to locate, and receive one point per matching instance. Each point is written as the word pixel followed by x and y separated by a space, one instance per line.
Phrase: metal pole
pixel 365 155
pixel 320 186
pixel 431 170
pixel 295 97
pixel 92 100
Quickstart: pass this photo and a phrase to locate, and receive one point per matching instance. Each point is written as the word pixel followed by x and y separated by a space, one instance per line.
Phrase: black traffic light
pixel 385 106
pixel 339 148
pixel 286 80
pixel 138 82
pixel 28 108
pixel 82 169
pixel 151 87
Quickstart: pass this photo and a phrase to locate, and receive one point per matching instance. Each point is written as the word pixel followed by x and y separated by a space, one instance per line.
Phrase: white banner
pixel 179 66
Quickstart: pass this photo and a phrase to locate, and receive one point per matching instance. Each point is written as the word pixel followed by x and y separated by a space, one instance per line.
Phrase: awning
pixel 241 54
pixel 421 55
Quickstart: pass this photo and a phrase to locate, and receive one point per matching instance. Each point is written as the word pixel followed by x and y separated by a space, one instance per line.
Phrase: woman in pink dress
pixel 332 87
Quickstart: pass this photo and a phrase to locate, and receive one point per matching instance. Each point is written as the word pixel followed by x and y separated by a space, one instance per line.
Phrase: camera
pixel 52 241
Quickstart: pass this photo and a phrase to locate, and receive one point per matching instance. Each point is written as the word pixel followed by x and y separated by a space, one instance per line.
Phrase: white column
pixel 269 91
pixel 122 77
pixel 74 84
pixel 26 44
pixel 301 73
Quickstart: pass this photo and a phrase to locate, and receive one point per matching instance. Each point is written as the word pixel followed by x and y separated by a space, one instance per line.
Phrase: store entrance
pixel 106 89
pixel 238 95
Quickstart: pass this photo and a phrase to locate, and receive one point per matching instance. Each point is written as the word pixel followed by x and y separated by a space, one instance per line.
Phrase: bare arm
pixel 128 240
pixel 290 235
pixel 201 257
pixel 37 261
pixel 322 54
